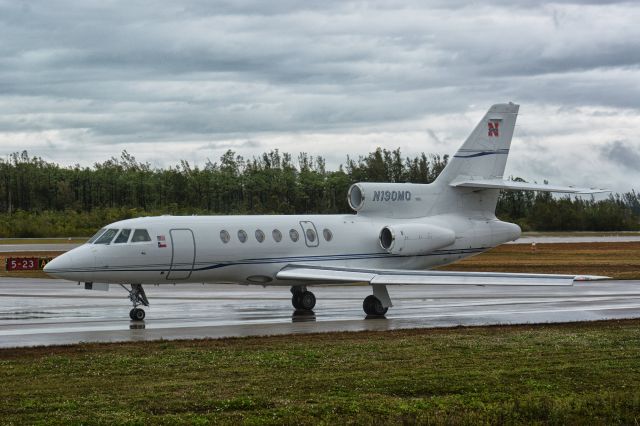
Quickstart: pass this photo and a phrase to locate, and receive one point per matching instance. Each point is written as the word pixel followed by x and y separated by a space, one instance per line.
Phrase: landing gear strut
pixel 137 297
pixel 302 299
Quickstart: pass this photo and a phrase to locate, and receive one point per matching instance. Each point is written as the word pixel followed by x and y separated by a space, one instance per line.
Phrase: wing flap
pixel 336 275
pixel 522 186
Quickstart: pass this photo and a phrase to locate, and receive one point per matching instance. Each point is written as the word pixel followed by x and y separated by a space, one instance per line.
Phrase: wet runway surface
pixel 14 248
pixel 46 312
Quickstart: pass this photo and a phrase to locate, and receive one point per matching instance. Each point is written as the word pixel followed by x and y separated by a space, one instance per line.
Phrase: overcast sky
pixel 168 80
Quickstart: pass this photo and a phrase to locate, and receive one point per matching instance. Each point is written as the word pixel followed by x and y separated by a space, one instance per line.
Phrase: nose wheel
pixel 136 314
pixel 137 297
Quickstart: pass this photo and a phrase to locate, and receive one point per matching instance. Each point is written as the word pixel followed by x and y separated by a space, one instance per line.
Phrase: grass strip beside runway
pixel 567 373
pixel 617 260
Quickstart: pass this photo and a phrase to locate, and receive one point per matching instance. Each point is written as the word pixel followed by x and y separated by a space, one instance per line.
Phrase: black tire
pixel 373 306
pixel 131 314
pixel 138 314
pixel 307 301
pixel 296 302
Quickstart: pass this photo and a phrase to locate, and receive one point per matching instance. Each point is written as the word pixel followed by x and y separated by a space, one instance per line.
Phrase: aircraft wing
pixel 342 275
pixel 522 186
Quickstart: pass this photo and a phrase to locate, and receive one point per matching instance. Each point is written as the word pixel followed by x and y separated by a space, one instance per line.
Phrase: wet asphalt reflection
pixel 45 312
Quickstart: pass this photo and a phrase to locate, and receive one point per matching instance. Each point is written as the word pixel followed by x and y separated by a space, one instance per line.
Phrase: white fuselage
pixel 188 249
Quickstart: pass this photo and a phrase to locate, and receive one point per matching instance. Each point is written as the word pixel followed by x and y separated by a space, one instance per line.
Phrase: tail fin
pixel 484 154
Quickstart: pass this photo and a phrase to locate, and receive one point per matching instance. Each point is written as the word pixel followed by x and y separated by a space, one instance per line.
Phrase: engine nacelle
pixel 367 197
pixel 414 239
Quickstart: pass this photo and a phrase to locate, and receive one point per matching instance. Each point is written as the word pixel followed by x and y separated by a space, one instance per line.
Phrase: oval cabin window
pixel 311 236
pixel 224 236
pixel 242 236
pixel 328 235
pixel 259 235
pixel 277 235
pixel 293 234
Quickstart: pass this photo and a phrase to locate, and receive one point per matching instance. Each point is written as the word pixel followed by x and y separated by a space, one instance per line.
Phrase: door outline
pixel 307 224
pixel 172 272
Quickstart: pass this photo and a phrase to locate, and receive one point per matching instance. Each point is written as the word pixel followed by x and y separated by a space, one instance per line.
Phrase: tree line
pixel 40 198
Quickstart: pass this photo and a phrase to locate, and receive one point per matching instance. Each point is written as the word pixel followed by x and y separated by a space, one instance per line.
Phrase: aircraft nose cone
pixel 58 265
pixel 75 265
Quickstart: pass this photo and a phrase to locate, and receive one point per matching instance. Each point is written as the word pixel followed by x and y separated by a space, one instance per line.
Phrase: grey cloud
pixel 115 73
pixel 624 153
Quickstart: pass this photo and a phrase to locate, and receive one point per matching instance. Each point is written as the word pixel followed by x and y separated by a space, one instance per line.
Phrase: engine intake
pixel 414 238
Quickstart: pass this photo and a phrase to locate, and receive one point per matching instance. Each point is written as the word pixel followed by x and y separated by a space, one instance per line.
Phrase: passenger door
pixel 183 254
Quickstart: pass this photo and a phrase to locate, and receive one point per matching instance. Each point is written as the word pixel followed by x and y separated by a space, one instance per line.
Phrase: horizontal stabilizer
pixel 522 186
pixel 339 275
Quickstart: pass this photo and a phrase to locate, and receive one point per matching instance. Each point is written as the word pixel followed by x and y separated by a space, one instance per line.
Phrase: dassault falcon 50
pixel 398 233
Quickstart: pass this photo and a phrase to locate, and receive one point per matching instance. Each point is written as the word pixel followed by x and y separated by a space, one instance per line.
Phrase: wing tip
pixel 591 278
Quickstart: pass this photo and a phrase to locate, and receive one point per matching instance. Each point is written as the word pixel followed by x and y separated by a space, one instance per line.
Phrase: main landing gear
pixel 373 306
pixel 302 300
pixel 137 297
pixel 377 304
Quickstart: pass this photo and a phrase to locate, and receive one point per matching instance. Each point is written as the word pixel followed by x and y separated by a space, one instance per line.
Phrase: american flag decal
pixel 162 241
pixel 493 128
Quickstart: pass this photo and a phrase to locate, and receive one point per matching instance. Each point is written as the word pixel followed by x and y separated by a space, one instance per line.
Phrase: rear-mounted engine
pixel 368 197
pixel 415 239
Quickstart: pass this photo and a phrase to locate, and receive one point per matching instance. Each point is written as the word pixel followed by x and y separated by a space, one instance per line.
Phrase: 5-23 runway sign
pixel 26 263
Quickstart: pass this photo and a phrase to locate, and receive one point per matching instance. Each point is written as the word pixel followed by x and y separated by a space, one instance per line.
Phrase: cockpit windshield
pixel 122 237
pixel 96 235
pixel 107 236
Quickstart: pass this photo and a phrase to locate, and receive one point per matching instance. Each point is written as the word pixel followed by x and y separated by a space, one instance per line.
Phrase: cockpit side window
pixel 96 235
pixel 107 236
pixel 140 236
pixel 123 236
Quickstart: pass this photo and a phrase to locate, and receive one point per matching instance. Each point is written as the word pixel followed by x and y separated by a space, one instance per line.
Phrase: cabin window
pixel 224 236
pixel 259 235
pixel 96 235
pixel 140 236
pixel 311 235
pixel 242 236
pixel 293 234
pixel 123 236
pixel 328 235
pixel 277 235
pixel 107 236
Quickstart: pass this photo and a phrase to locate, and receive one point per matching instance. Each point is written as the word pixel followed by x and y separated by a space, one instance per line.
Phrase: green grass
pixel 550 374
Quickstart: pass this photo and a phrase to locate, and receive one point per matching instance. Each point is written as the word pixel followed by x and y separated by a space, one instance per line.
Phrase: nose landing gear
pixel 137 297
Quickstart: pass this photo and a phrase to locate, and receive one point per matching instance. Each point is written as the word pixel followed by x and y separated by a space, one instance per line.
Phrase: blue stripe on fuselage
pixel 258 261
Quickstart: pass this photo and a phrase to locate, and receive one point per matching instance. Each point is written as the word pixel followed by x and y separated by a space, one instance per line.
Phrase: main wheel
pixel 373 306
pixel 131 314
pixel 307 300
pixel 295 301
pixel 304 301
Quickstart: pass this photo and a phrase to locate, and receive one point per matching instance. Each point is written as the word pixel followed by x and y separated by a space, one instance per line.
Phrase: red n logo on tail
pixel 493 128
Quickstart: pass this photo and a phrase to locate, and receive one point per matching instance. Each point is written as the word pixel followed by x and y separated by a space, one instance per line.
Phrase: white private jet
pixel 399 232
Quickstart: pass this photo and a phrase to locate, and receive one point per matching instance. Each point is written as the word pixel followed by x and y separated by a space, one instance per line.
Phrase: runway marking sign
pixel 26 263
